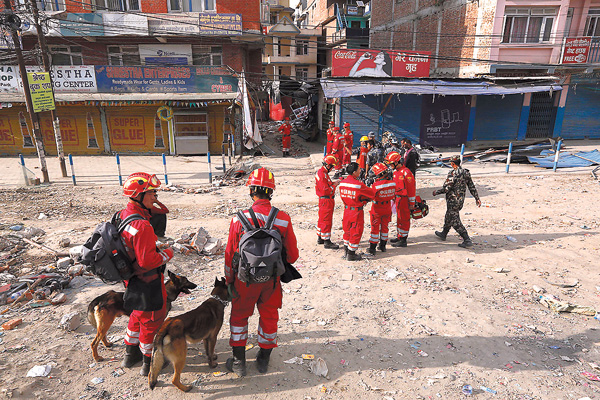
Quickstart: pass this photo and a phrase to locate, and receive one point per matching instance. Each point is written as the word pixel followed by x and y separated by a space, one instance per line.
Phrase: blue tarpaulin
pixel 567 160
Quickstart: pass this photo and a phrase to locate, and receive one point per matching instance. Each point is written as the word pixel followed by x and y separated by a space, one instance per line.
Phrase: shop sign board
pixel 354 63
pixel 166 54
pixel 40 88
pixel 65 78
pixel 220 24
pixel 81 24
pixel 576 50
pixel 445 121
pixel 173 24
pixel 127 130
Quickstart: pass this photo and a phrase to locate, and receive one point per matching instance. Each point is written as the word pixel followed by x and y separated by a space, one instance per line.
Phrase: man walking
pixel 286 139
pixel 411 158
pixel 455 188
pixel 266 296
pixel 330 137
pixel 325 189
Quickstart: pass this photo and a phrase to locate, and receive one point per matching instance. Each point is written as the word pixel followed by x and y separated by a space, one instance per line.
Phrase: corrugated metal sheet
pixel 567 160
pixel 362 113
pixel 497 117
pixel 403 116
pixel 582 112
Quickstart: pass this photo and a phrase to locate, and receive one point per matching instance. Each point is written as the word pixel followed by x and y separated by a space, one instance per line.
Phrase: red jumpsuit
pixel 140 242
pixel 381 209
pixel 338 150
pixel 267 297
pixel 326 192
pixel 330 138
pixel 286 140
pixel 405 198
pixel 348 142
pixel 362 158
pixel 355 195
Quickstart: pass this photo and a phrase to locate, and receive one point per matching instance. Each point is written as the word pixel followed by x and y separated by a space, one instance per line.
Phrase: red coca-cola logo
pixel 349 55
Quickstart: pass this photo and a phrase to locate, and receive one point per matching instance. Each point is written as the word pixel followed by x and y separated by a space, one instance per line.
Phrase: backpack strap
pixel 127 221
pixel 254 219
pixel 271 218
pixel 246 225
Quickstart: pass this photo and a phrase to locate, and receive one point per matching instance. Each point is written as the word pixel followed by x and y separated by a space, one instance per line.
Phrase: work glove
pixel 232 292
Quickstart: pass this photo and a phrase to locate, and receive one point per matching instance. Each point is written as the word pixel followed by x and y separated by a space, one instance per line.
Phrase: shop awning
pixel 334 88
pixel 19 98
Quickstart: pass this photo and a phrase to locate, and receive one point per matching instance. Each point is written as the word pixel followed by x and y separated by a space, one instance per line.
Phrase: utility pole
pixel 35 119
pixel 55 121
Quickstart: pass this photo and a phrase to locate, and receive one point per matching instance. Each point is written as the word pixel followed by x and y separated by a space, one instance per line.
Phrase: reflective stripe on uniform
pixel 266 338
pixel 280 222
pixel 131 230
pixel 132 338
pixel 352 247
pixel 350 185
pixel 392 184
pixel 384 236
pixel 146 348
pixel 326 236
pixel 239 333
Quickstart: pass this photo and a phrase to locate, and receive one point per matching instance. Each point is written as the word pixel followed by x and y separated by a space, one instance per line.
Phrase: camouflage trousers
pixel 452 219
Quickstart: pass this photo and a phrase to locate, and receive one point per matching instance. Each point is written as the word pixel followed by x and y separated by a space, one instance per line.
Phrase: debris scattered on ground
pixel 39 370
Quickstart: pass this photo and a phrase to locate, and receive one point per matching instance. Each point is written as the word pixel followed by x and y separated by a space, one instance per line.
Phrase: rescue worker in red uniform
pixel 348 142
pixel 405 197
pixel 266 296
pixel 145 292
pixel 355 195
pixel 325 189
pixel 381 208
pixel 364 150
pixel 286 139
pixel 338 151
pixel 330 138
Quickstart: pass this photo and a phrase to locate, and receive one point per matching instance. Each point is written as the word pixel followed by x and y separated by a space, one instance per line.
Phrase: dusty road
pixel 414 323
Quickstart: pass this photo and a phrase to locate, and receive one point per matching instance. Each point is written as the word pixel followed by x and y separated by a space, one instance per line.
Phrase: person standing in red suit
pixel 325 189
pixel 348 142
pixel 145 292
pixel 405 197
pixel 338 151
pixel 286 139
pixel 266 296
pixel 381 208
pixel 330 137
pixel 355 195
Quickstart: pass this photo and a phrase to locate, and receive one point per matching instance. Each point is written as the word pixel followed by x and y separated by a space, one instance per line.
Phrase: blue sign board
pixel 173 79
pixel 82 24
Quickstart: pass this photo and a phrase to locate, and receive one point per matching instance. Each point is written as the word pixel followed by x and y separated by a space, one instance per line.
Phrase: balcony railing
pixel 345 34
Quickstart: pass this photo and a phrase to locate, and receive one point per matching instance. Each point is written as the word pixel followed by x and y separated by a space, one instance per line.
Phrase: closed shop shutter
pixel 402 116
pixel 363 115
pixel 541 116
pixel 582 113
pixel 497 117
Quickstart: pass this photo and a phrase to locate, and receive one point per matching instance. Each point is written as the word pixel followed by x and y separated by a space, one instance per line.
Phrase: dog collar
pixel 224 302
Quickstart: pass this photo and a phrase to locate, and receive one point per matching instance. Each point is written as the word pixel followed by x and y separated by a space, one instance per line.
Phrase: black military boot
pixel 330 245
pixel 442 235
pixel 146 366
pixel 352 256
pixel 237 363
pixel 372 247
pixel 466 241
pixel 262 360
pixel 320 240
pixel 382 244
pixel 394 240
pixel 400 243
pixel 133 355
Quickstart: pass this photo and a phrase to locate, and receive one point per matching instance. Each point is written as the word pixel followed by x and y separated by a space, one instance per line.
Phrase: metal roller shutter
pixel 363 115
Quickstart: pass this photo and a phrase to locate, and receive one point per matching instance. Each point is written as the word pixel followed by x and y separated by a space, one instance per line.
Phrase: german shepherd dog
pixel 202 323
pixel 103 310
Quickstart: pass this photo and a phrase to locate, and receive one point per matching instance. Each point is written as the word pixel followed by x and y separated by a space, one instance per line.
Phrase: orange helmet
pixel 140 182
pixel 393 157
pixel 330 160
pixel 346 124
pixel 378 168
pixel 261 177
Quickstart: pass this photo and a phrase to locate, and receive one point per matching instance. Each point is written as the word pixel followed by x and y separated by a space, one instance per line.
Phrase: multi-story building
pixel 115 62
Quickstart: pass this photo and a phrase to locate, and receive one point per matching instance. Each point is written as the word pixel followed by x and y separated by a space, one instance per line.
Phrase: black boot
pixel 133 355
pixel 442 235
pixel 262 360
pixel 345 256
pixel 394 240
pixel 237 363
pixel 320 240
pixel 466 241
pixel 382 244
pixel 146 366
pixel 352 256
pixel 400 243
pixel 372 247
pixel 330 245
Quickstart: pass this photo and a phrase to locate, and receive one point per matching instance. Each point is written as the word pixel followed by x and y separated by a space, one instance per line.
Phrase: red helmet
pixel 336 128
pixel 140 182
pixel 330 160
pixel 287 118
pixel 393 157
pixel 332 122
pixel 378 168
pixel 346 124
pixel 261 177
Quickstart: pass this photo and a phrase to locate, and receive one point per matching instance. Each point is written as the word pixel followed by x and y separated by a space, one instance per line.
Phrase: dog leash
pixel 224 302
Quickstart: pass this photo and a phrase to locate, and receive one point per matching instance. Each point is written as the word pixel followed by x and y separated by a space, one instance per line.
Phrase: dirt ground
pixel 413 323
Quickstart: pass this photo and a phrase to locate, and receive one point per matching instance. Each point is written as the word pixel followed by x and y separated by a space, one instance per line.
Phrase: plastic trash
pixel 39 370
pixel 467 390
pixel 16 227
pixel 97 380
pixel 319 367
pixel 511 239
pixel 486 389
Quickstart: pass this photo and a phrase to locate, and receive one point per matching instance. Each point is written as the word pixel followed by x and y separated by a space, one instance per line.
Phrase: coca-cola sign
pixel 380 63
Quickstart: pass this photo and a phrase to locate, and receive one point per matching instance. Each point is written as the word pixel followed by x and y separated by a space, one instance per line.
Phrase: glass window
pixel 123 55
pixel 592 23
pixel 199 5
pixel 301 73
pixel 301 47
pixel 174 5
pixel 49 5
pixel 66 55
pixel 207 55
pixel 528 25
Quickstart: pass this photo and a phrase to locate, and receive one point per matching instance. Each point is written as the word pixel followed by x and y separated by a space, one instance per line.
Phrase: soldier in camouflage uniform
pixel 455 188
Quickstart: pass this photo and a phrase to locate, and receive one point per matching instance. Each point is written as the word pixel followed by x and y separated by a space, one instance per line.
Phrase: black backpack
pixel 104 253
pixel 260 249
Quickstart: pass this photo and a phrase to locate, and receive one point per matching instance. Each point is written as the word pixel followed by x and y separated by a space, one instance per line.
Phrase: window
pixel 301 47
pixel 123 55
pixel 207 55
pixel 174 5
pixel 528 25
pixel 66 55
pixel 191 124
pixel 50 5
pixel 592 24
pixel 116 5
pixel 301 73
pixel 199 5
